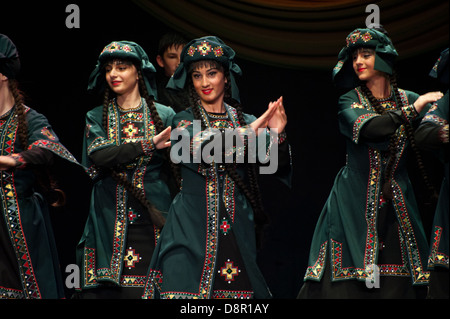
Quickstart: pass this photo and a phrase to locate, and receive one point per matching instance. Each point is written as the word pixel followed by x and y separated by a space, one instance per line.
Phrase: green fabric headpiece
pixel 9 58
pixel 440 68
pixel 123 50
pixel 206 48
pixel 385 54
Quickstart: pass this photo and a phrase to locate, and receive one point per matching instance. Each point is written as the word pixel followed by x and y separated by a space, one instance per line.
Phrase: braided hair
pixel 45 179
pixel 22 128
pixel 251 188
pixel 393 143
pixel 155 215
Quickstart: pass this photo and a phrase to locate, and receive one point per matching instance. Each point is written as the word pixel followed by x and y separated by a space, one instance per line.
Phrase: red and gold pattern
pixel 191 51
pixel 45 131
pixel 218 51
pixel 131 258
pixel 204 48
pixel 229 271
pixel 366 37
pixel 352 38
pixel 114 46
pixel 130 131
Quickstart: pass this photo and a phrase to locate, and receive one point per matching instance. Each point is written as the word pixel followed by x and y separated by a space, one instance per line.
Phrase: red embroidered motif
pixel 116 47
pixel 218 52
pixel 191 51
pixel 225 227
pixel 45 131
pixel 353 37
pixel 131 215
pixel 366 37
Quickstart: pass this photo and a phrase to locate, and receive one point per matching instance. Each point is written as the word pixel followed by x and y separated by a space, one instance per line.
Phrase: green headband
pixel 206 48
pixel 123 50
pixel 9 58
pixel 385 53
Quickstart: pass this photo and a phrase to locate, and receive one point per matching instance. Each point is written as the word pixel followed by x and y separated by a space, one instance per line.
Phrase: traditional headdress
pixel 123 50
pixel 440 68
pixel 385 54
pixel 206 48
pixel 9 58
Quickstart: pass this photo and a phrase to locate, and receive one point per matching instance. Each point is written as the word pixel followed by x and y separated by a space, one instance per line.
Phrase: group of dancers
pixel 164 229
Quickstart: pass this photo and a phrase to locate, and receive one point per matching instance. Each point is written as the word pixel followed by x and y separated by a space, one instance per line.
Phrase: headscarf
pixel 440 68
pixel 9 58
pixel 206 48
pixel 123 50
pixel 385 54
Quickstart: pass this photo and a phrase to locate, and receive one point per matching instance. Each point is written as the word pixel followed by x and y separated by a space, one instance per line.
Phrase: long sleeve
pixel 432 133
pixel 122 154
pixel 43 144
pixel 383 126
pixel 358 120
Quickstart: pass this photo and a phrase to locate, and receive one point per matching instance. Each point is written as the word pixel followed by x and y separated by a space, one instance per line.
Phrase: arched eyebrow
pixel 211 68
pixel 204 63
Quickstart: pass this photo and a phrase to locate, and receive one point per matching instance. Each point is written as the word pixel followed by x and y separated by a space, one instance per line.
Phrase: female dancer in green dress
pixel 369 240
pixel 29 266
pixel 207 248
pixel 432 136
pixel 124 149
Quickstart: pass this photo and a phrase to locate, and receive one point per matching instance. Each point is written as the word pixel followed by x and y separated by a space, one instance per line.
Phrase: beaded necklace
pixel 130 109
pixel 206 115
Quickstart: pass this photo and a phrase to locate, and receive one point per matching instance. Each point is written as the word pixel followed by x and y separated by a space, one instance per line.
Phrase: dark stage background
pixel 286 48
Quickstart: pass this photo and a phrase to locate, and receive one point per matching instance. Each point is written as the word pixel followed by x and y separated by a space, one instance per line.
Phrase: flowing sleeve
pixel 432 133
pixel 42 140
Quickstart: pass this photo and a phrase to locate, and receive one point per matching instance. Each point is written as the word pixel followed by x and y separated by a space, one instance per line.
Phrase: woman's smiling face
pixel 209 82
pixel 121 76
pixel 364 63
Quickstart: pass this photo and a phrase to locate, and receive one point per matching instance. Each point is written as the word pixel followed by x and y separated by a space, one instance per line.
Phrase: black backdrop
pixel 57 61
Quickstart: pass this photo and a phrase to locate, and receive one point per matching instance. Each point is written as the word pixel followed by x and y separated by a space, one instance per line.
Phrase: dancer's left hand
pixel 279 117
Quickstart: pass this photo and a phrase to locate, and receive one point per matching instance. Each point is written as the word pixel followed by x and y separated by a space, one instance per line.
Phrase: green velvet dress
pixel 29 266
pixel 358 231
pixel 207 248
pixel 119 236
